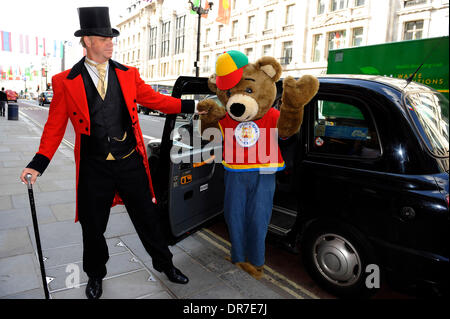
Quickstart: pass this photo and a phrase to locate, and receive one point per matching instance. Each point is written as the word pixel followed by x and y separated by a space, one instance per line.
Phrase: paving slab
pixel 221 291
pixel 247 286
pixel 5 202
pixel 213 259
pixel 37 293
pixel 21 217
pixel 200 277
pixel 64 212
pixel 61 256
pixel 130 286
pixel 44 198
pixel 57 234
pixel 17 274
pixel 14 241
pixel 119 225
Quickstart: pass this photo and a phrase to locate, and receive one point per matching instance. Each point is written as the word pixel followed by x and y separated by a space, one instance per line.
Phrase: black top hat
pixel 95 21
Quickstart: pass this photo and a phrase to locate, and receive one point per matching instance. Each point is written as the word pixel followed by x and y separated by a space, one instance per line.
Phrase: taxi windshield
pixel 429 112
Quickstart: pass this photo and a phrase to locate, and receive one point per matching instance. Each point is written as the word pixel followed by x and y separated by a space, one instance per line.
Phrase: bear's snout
pixel 242 107
pixel 237 109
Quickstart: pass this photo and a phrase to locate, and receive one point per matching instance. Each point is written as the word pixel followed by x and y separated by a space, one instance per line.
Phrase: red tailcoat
pixel 69 102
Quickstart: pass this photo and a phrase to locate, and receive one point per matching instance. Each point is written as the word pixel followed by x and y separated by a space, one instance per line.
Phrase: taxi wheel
pixel 336 256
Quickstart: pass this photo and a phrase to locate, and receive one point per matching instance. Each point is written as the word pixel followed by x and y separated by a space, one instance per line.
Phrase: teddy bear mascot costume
pixel 250 129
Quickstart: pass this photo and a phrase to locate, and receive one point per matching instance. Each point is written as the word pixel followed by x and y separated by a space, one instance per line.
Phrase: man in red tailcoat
pixel 99 97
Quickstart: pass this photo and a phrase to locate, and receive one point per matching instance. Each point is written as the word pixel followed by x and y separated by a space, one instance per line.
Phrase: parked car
pixel 148 111
pixel 45 97
pixel 12 95
pixel 365 184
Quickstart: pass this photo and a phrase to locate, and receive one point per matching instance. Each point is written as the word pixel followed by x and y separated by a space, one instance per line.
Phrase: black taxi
pixel 365 185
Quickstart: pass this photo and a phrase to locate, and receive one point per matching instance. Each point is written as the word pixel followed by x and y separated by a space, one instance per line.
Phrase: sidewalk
pixel 201 256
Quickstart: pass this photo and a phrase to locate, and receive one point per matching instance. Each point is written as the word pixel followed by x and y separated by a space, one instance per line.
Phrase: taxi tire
pixel 353 243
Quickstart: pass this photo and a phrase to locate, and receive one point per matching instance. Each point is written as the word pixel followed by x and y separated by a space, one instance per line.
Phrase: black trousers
pixel 2 108
pixel 98 182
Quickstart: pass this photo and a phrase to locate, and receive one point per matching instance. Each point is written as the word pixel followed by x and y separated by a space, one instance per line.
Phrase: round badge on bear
pixel 247 134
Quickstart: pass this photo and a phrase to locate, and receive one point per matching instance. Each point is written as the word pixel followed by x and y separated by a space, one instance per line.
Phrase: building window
pixel 321 6
pixel 165 39
pixel 336 40
pixel 234 27
pixel 287 53
pixel 251 24
pixel 219 32
pixel 207 32
pixel 359 3
pixel 317 49
pixel 289 14
pixel 249 53
pixel 152 50
pixel 179 37
pixel 413 30
pixel 206 67
pixel 357 37
pixel 409 3
pixel 269 20
pixel 267 50
pixel 338 4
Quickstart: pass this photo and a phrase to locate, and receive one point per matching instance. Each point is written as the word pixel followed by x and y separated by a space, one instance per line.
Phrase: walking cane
pixel 36 234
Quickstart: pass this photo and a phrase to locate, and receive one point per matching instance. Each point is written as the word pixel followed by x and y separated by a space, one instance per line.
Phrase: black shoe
pixel 176 276
pixel 94 288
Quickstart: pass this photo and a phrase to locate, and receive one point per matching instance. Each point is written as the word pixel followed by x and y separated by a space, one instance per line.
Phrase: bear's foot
pixel 256 272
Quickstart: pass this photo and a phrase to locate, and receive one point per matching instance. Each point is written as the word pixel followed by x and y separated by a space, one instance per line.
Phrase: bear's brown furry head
pixel 255 93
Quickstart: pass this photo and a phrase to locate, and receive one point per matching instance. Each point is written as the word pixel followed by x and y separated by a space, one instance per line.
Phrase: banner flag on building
pixel 27 44
pixel 40 46
pixel 61 49
pixel 21 44
pixel 224 12
pixel 206 7
pixel 6 41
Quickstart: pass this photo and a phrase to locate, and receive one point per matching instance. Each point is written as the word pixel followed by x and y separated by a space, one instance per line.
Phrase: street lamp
pixel 46 67
pixel 200 11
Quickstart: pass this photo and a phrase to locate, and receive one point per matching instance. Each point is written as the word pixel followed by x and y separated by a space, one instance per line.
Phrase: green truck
pixel 399 60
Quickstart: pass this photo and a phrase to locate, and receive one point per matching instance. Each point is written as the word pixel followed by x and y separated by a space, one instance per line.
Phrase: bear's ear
pixel 270 66
pixel 212 83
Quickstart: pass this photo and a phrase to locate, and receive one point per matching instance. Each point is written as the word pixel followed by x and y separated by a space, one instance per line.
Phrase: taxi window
pixel 342 129
pixel 429 112
pixel 186 133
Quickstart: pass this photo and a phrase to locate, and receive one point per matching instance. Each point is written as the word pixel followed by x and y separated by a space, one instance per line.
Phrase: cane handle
pixel 28 178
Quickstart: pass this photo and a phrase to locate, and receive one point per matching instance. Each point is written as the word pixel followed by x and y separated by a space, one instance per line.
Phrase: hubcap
pixel 337 260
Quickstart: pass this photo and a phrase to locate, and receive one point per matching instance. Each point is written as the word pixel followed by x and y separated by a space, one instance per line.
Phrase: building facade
pixel 157 37
pixel 160 37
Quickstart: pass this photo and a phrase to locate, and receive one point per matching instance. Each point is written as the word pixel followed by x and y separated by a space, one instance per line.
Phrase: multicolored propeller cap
pixel 229 68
